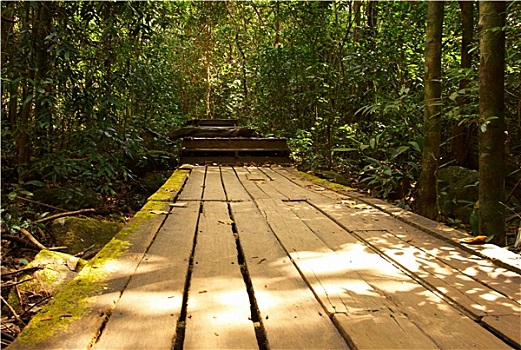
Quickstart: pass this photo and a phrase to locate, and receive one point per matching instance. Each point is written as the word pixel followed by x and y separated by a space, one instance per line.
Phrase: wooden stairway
pixel 233 149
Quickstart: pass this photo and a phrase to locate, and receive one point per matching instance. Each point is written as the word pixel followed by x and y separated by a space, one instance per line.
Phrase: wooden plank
pixel 318 262
pixel 233 160
pixel 263 182
pixel 453 260
pixel 250 183
pixel 504 281
pixel 476 298
pixel 316 190
pixel 233 187
pixel 435 317
pixel 499 256
pixel 234 143
pixel 382 331
pixel 193 189
pixel 506 324
pixel 284 186
pixel 150 306
pixel 292 317
pixel 213 187
pixel 355 216
pixel 218 308
pixel 498 278
pixel 339 287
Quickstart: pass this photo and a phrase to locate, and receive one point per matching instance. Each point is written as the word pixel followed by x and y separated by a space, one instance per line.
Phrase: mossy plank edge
pixel 324 182
pixel 87 300
pixel 171 187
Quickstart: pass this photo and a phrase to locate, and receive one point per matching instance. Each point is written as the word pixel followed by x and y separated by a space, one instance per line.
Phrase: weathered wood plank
pixel 402 294
pixel 476 298
pixel 330 201
pixel 318 262
pixel 213 187
pixel 284 186
pixel 233 143
pixel 292 317
pixel 411 238
pixel 317 191
pixel 376 330
pixel 264 183
pixel 499 256
pixel 339 287
pixel 249 182
pixel 218 308
pixel 233 187
pixel 498 278
pixel 194 185
pixel 150 306
pixel 506 324
pixel 501 279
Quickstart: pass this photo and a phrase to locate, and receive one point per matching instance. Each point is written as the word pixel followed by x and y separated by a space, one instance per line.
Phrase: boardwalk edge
pixel 78 300
pixel 498 255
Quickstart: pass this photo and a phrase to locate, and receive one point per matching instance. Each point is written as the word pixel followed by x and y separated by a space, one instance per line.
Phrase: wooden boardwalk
pixel 262 258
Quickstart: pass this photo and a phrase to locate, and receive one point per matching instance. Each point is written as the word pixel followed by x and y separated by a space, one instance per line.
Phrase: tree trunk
pixel 42 111
pixel 356 11
pixel 426 202
pixel 277 25
pixel 22 129
pixel 460 132
pixel 492 121
pixel 371 16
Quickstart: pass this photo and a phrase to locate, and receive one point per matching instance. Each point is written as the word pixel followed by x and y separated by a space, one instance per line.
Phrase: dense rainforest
pixel 382 95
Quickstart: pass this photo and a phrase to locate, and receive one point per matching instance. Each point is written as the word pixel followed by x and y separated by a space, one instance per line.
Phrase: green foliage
pixel 343 81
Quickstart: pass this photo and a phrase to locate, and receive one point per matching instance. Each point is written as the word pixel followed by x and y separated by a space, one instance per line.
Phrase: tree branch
pixel 10 308
pixel 40 203
pixel 69 213
pixel 31 238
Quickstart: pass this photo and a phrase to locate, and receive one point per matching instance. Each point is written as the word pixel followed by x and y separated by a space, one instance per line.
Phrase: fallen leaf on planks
pixel 159 212
pixel 475 240
pixel 226 222
pixel 178 204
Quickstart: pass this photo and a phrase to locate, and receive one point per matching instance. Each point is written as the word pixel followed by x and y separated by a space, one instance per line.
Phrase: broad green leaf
pixel 399 150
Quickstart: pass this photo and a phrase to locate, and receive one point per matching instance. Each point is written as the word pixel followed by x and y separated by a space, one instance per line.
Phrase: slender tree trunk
pixel 208 85
pixel 460 132
pixel 276 44
pixel 371 16
pixel 8 48
pixel 22 129
pixel 426 202
pixel 42 111
pixel 356 11
pixel 492 121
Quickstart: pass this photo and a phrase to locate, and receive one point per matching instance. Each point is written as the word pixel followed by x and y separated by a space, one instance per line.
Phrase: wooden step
pixel 213 122
pixel 234 150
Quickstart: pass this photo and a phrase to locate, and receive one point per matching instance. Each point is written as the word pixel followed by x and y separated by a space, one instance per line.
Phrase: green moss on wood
pixel 171 186
pixel 324 182
pixel 73 301
pixel 76 298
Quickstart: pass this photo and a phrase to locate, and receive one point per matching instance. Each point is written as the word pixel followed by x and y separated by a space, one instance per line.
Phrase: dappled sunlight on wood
pixel 324 272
